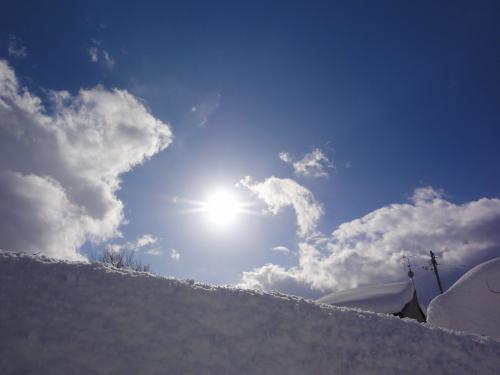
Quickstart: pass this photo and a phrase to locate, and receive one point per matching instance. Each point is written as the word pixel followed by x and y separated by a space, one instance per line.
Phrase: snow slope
pixel 385 298
pixel 75 318
pixel 471 304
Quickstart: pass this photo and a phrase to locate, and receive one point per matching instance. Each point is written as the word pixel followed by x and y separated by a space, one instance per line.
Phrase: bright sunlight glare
pixel 222 208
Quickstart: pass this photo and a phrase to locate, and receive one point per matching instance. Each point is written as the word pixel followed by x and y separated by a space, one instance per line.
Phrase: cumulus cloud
pixel 369 249
pixel 279 193
pixel 274 277
pixel 16 48
pixel 60 164
pixel 174 254
pixel 36 214
pixel 313 164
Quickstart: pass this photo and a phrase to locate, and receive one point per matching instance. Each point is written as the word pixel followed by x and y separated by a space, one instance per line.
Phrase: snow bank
pixel 75 318
pixel 385 298
pixel 471 304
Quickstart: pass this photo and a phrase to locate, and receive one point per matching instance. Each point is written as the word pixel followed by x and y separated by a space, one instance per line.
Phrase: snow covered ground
pixel 472 304
pixel 75 318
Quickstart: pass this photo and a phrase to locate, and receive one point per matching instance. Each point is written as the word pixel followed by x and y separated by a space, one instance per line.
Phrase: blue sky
pixel 397 96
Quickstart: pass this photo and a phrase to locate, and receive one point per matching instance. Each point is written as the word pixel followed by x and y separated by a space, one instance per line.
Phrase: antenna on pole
pixel 434 264
pixel 411 274
pixel 420 316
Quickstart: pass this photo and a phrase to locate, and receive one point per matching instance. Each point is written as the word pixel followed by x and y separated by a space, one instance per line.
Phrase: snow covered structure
pixel 398 299
pixel 75 318
pixel 472 304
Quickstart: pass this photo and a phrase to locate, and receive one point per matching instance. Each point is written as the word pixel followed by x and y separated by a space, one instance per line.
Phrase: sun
pixel 221 208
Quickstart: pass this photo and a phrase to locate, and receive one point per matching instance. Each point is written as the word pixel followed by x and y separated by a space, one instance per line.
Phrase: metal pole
pixel 435 269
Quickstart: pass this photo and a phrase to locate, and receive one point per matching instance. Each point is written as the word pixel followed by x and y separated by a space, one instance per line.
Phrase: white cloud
pixel 108 60
pixel 174 254
pixel 60 171
pixel 97 53
pixel 273 277
pixel 144 243
pixel 369 249
pixel 278 193
pixel 281 249
pixel 285 156
pixel 94 54
pixel 146 240
pixel 36 214
pixel 426 194
pixel 16 48
pixel 154 251
pixel 314 164
pixel 115 248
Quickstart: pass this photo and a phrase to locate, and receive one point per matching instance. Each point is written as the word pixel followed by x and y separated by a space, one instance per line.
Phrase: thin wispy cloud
pixel 97 54
pixel 146 243
pixel 285 156
pixel 281 249
pixel 94 54
pixel 313 164
pixel 155 251
pixel 16 48
pixel 201 112
pixel 108 60
pixel 174 254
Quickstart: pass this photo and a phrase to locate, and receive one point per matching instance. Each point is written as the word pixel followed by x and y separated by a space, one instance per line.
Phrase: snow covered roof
pixel 385 298
pixel 472 304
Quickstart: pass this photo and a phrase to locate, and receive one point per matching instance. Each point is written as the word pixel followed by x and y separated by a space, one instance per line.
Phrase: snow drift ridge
pixel 470 305
pixel 75 318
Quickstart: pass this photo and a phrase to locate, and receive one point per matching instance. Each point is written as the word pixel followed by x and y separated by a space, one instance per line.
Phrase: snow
pixel 75 318
pixel 385 298
pixel 471 305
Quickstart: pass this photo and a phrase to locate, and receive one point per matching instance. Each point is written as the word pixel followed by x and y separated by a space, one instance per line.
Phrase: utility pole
pixel 435 269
